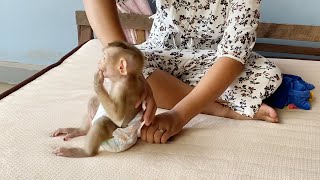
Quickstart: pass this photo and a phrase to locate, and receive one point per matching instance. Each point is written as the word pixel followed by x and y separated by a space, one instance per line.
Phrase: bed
pixel 207 148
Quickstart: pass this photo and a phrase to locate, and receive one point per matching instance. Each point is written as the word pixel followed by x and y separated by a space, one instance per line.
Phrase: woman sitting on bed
pixel 199 59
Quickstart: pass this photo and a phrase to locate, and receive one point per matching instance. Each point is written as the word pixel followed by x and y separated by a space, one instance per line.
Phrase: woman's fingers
pixel 151 106
pixel 144 133
pixel 162 128
pixel 150 134
pixel 142 97
pixel 157 135
pixel 164 138
pixel 150 111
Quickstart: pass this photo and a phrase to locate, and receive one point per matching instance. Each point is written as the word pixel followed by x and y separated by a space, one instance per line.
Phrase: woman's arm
pixel 233 51
pixel 211 86
pixel 104 20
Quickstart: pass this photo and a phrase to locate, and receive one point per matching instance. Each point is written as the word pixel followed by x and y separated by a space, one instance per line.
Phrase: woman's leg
pixel 168 91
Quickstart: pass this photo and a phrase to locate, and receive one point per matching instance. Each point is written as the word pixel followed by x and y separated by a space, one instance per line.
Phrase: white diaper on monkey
pixel 123 138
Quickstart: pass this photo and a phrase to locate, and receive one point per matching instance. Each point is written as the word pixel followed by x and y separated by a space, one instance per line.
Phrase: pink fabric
pixel 136 7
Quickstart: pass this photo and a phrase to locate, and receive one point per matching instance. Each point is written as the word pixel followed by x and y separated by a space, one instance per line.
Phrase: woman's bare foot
pixel 266 113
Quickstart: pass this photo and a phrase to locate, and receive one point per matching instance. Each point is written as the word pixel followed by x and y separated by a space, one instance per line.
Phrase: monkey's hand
pixel 69 133
pixel 98 81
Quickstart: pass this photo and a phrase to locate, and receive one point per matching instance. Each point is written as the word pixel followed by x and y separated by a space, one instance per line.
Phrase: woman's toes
pixel 267 113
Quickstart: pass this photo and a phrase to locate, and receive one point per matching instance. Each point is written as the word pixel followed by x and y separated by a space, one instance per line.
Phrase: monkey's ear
pixel 123 66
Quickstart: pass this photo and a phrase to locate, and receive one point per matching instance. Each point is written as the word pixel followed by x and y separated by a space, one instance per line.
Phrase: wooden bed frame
pixel 142 23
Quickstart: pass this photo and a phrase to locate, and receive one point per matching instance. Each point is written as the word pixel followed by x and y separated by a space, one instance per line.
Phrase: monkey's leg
pixel 73 132
pixel 99 132
pixel 86 123
pixel 93 105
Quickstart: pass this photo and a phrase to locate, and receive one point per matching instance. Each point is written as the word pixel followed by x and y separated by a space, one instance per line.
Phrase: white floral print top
pixel 227 26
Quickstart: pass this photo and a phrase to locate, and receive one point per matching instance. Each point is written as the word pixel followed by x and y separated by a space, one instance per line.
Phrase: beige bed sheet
pixel 208 147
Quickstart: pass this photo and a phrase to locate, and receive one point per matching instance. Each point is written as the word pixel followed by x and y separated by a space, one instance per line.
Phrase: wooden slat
pixel 140 36
pixel 265 30
pixel 293 57
pixel 82 19
pixel 135 21
pixel 289 32
pixel 129 21
pixel 85 33
pixel 287 49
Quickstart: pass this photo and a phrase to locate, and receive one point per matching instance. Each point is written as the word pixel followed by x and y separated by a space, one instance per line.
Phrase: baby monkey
pixel 122 64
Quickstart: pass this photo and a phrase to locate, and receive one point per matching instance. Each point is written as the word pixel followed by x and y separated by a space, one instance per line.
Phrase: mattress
pixel 208 147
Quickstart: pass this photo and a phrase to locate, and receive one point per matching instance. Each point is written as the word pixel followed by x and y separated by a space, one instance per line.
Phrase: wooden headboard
pixel 265 30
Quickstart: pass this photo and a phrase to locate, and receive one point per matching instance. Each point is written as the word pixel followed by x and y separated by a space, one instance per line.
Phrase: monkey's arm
pixel 86 122
pixel 112 106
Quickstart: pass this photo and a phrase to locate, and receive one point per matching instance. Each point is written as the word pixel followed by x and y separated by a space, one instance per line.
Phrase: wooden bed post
pixel 85 32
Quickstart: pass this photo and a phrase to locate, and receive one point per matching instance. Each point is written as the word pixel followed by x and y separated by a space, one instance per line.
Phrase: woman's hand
pixel 164 126
pixel 151 106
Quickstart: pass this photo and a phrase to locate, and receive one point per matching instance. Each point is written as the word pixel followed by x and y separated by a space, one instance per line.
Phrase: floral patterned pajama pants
pixel 258 81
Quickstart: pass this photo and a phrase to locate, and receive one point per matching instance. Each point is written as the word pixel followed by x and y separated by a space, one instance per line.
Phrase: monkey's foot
pixel 70 152
pixel 69 133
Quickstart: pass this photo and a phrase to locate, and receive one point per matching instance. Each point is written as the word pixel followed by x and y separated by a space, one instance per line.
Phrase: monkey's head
pixel 121 59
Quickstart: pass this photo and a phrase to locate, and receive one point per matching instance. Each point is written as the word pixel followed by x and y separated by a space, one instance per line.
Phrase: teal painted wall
pixel 37 31
pixel 304 12
pixel 41 32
